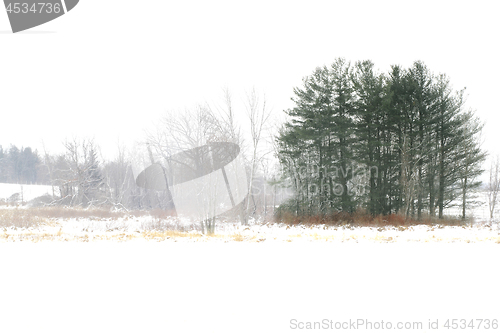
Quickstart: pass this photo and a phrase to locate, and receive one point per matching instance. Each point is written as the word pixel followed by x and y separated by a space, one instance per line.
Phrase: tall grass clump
pixel 361 218
pixel 20 218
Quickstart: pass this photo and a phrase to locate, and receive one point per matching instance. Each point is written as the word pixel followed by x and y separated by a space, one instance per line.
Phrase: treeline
pixel 80 176
pixel 21 166
pixel 396 142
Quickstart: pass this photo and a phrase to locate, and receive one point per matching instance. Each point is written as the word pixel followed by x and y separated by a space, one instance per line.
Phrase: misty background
pixel 111 70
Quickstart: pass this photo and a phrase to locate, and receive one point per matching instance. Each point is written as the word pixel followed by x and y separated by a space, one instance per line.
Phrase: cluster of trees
pixel 21 166
pixel 400 142
pixel 82 177
pixel 78 177
pixel 396 142
pixel 207 124
pixel 76 174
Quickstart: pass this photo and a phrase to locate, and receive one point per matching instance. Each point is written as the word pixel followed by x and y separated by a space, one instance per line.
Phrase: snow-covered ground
pixel 144 286
pixel 61 276
pixel 136 274
pixel 24 193
pixel 131 228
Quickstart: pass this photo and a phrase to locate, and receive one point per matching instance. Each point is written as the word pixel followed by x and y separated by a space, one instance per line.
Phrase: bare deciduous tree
pixel 83 174
pixel 494 184
pixel 258 114
pixel 119 179
pixel 184 132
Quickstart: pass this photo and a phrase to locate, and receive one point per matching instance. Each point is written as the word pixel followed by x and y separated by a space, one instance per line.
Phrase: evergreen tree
pixel 469 159
pixel 3 166
pixel 407 128
pixel 370 127
pixel 316 146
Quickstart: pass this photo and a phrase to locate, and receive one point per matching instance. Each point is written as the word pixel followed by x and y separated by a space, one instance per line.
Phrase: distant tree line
pixel 399 142
pixel 80 176
pixel 20 166
pixel 396 142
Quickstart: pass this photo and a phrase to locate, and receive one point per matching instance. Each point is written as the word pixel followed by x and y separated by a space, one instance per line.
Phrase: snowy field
pixel 35 224
pixel 24 193
pixel 138 274
pixel 133 274
pixel 144 286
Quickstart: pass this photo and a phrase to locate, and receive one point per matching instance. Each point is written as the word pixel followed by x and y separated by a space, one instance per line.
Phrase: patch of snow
pixel 26 192
pixel 180 287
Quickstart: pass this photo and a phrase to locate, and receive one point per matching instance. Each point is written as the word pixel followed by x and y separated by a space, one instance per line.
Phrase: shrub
pixel 362 219
pixel 20 218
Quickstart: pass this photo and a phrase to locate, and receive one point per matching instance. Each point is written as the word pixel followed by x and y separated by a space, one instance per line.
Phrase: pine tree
pixel 407 128
pixel 370 131
pixel 317 143
pixel 469 159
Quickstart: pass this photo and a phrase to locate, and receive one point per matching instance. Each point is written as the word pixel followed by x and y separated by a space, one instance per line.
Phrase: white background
pixel 110 69
pixel 243 287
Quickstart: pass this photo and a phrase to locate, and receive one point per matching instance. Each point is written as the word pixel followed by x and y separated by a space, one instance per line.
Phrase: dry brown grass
pixel 58 212
pixel 26 217
pixel 35 216
pixel 157 236
pixel 161 213
pixel 163 235
pixel 363 219
pixel 20 218
pixel 68 213
pixel 6 203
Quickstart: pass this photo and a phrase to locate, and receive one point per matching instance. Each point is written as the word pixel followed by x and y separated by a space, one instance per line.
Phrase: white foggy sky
pixel 109 69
